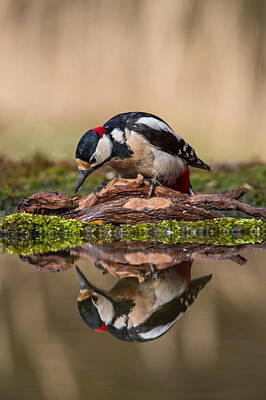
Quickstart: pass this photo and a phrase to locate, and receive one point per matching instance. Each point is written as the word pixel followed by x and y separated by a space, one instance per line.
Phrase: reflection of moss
pixel 19 180
pixel 28 234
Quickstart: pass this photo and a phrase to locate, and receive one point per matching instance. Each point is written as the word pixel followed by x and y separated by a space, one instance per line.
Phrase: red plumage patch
pixel 100 130
pixel 182 183
pixel 184 269
pixel 102 328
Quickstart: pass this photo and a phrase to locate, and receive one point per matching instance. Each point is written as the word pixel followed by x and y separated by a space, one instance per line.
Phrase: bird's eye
pixel 94 298
pixel 93 160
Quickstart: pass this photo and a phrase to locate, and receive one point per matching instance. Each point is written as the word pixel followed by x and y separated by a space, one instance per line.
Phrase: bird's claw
pixel 153 182
pixel 153 274
pixel 99 266
pixel 99 188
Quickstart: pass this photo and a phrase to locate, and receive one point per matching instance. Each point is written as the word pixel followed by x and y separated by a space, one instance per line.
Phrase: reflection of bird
pixel 138 142
pixel 134 311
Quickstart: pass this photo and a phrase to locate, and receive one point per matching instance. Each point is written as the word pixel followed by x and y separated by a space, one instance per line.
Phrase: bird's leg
pixel 99 266
pixel 153 273
pixel 191 191
pixel 99 188
pixel 153 182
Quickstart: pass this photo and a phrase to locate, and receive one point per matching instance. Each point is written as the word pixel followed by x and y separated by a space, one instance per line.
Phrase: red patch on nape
pixel 103 328
pixel 100 130
pixel 182 183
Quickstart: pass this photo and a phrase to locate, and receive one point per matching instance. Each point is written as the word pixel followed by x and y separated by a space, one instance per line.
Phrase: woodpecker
pixel 138 142
pixel 139 312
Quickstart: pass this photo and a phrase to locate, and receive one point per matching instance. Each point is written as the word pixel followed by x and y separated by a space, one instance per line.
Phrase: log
pixel 125 201
pixel 134 259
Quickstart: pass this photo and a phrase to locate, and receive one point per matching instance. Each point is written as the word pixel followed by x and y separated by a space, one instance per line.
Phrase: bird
pixel 139 312
pixel 135 143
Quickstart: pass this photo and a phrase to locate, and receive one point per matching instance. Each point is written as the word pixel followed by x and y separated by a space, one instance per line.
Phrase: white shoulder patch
pixel 120 322
pixel 159 330
pixel 155 332
pixel 117 135
pixel 156 124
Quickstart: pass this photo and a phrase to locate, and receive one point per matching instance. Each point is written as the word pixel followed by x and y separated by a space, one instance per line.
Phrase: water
pixel 216 350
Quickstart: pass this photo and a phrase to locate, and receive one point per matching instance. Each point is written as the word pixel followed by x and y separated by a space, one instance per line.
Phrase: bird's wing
pixel 161 136
pixel 162 319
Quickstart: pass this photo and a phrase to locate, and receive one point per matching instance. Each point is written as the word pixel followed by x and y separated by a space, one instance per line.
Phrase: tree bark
pixel 125 201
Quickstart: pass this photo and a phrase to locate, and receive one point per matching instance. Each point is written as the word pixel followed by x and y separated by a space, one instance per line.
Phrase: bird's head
pixel 95 308
pixel 97 147
pixel 93 150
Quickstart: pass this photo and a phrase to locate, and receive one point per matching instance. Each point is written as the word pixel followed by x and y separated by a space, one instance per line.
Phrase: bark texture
pixel 125 201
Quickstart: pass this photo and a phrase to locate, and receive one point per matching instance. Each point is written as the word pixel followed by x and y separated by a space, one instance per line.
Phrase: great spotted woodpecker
pixel 138 312
pixel 138 142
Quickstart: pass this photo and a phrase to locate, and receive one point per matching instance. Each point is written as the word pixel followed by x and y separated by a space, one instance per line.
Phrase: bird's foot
pixel 153 274
pixel 153 182
pixel 191 191
pixel 99 188
pixel 99 266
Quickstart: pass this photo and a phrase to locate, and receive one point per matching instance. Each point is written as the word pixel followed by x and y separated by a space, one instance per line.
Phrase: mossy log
pixel 125 201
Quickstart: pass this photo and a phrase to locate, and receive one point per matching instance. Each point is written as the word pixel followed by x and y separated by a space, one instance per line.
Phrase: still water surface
pixel 216 350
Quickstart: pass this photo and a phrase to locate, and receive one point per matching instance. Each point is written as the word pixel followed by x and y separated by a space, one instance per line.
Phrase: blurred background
pixel 199 64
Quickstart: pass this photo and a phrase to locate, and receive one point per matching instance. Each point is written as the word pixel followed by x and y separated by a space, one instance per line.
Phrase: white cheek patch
pixel 157 125
pixel 105 309
pixel 117 135
pixel 103 150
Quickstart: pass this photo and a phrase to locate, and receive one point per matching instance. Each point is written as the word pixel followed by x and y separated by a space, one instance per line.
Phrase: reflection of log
pixel 53 261
pixel 125 201
pixel 134 259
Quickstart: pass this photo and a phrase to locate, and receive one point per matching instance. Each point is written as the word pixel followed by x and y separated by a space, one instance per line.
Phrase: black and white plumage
pixel 139 312
pixel 138 142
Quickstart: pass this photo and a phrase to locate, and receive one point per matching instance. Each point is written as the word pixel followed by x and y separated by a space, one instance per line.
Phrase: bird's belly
pixel 130 168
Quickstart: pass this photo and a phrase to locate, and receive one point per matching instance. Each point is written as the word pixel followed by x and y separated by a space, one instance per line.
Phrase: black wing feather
pixel 170 311
pixel 168 142
pixel 161 139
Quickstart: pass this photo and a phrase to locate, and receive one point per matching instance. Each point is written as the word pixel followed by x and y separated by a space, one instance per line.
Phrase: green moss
pixel 26 234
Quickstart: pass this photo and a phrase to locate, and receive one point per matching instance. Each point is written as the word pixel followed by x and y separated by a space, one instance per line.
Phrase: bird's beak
pixel 84 283
pixel 83 174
